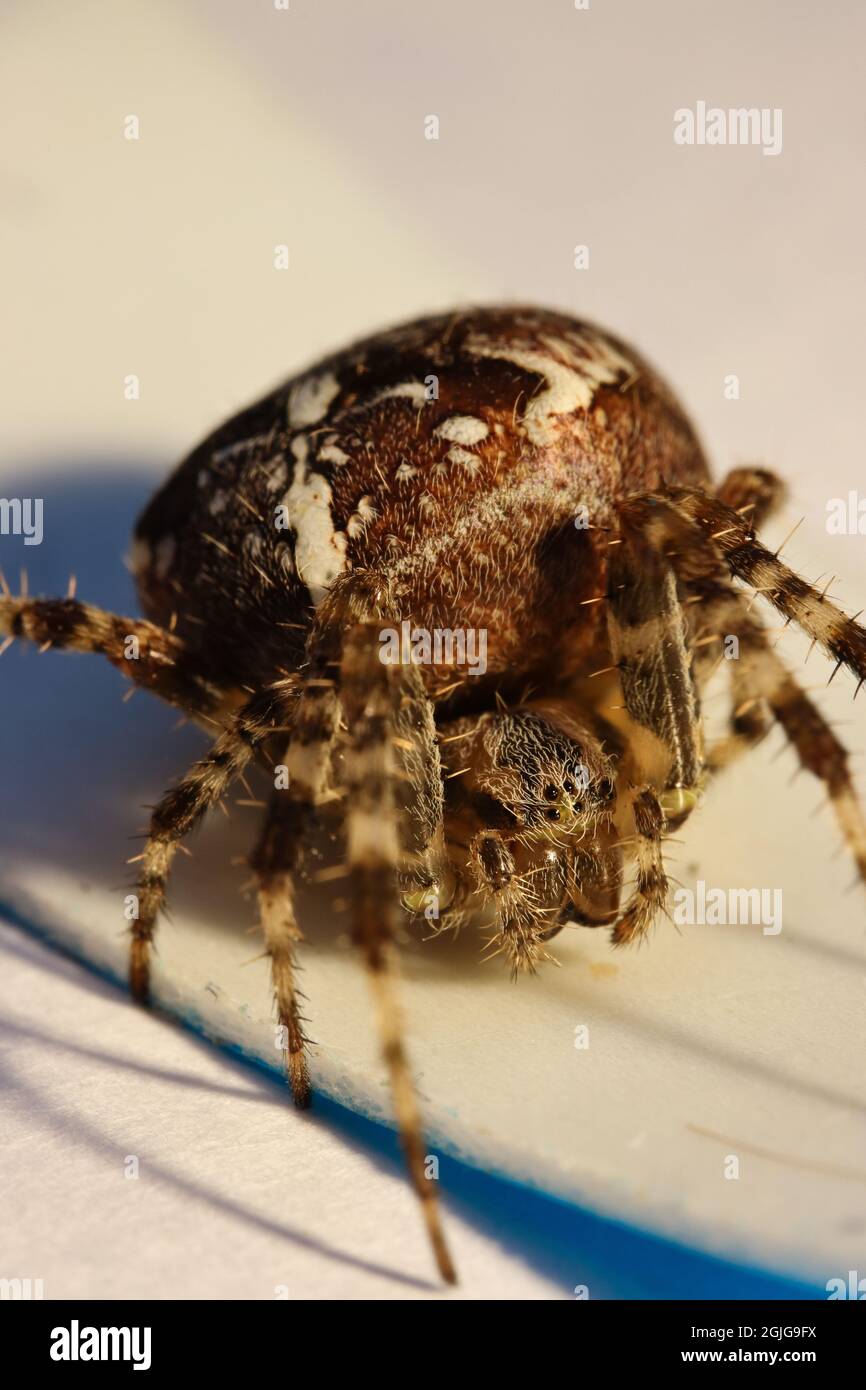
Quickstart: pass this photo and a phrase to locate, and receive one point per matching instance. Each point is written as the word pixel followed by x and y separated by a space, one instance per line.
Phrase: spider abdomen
pixel 472 460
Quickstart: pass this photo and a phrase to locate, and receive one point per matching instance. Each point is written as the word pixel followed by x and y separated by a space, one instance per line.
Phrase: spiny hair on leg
pixel 843 639
pixel 181 808
pixel 370 694
pixel 148 655
pixel 651 884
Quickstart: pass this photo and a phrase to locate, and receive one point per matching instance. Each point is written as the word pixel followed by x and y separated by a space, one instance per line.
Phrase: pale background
pixel 155 257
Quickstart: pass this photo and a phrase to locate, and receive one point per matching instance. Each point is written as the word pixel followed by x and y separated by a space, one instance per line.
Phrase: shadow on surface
pixel 568 1245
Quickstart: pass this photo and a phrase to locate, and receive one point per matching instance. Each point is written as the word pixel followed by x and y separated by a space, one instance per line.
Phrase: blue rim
pixel 566 1243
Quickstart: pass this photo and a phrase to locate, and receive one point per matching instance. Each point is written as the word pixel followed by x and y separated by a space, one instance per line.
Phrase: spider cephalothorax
pixel 520 493
pixel 552 783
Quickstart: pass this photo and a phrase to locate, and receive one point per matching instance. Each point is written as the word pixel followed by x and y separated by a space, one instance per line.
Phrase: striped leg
pixel 843 639
pixel 362 598
pixel 817 747
pixel 181 808
pixel 696 533
pixel 647 638
pixel 760 678
pixel 370 702
pixel 147 654
pixel 748 724
pixel 754 493
pixel 766 680
pixel 527 904
pixel 418 789
pixel 277 857
pixel 721 612
pixel 274 862
pixel 651 885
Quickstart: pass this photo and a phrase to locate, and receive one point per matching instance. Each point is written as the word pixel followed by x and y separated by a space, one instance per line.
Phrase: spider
pixel 507 471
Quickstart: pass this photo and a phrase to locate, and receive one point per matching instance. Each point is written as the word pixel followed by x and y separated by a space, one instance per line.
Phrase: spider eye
pixel 550 792
pixel 552 814
pixel 605 788
pixel 568 786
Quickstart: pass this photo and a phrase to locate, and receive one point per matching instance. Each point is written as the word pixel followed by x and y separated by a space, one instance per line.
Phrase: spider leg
pixel 760 673
pixel 651 885
pixel 149 655
pixel 525 902
pixel 754 493
pixel 492 859
pixel 748 725
pixel 370 701
pixel 722 612
pixel 277 856
pixel 274 861
pixel 360 598
pixel 647 638
pixel 843 639
pixel 580 886
pixel 418 787
pixel 765 678
pixel 182 807
pixel 647 635
pixel 814 741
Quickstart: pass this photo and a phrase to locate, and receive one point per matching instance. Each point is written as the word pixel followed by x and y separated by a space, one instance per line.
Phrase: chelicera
pixel 506 471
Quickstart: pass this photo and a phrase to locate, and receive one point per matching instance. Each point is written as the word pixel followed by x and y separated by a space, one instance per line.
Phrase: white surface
pixel 725 1029
pixel 155 257
pixel 237 1195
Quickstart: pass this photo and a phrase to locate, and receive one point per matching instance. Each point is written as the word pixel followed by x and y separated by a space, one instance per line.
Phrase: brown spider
pixel 503 471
